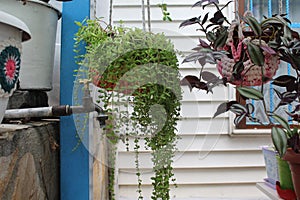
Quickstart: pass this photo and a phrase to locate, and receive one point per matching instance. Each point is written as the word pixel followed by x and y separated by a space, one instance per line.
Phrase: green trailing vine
pixel 137 166
pixel 138 75
pixel 162 143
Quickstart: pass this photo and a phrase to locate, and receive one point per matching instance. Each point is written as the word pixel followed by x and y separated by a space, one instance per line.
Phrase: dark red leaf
pixel 297 108
pixel 268 49
pixel 191 21
pixel 288 97
pixel 218 18
pixel 199 3
pixel 224 107
pixel 294 116
pixel 193 82
pixel 203 44
pixel 208 76
pixel 204 19
pixel 286 81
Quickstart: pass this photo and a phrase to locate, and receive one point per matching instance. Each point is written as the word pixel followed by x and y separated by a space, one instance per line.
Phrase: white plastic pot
pixel 38 57
pixel 12 32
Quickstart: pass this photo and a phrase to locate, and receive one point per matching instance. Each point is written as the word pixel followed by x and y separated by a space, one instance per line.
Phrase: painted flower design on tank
pixel 9 68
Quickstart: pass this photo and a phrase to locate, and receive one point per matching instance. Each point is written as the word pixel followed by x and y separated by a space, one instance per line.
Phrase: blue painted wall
pixel 74 163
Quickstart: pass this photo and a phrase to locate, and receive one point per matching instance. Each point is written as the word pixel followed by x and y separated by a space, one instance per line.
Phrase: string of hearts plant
pixel 138 75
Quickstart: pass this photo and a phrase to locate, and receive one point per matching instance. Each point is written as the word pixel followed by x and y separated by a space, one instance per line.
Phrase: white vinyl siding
pixel 210 162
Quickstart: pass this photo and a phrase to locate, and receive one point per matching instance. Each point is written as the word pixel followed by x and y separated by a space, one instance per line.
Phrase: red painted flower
pixel 10 69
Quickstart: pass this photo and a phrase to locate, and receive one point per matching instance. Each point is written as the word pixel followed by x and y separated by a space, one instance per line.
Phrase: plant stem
pixel 137 167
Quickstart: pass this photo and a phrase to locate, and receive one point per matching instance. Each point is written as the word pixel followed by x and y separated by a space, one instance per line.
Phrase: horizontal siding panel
pixel 192 65
pixel 156 2
pixel 219 94
pixel 238 191
pixel 223 143
pixel 169 28
pixel 193 68
pixel 189 126
pixel 213 142
pixel 203 109
pixel 185 45
pixel 133 12
pixel 203 159
pixel 199 176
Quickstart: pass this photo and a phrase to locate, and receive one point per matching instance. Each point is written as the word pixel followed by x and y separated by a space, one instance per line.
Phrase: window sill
pixel 258 132
pixel 270 192
pixel 233 131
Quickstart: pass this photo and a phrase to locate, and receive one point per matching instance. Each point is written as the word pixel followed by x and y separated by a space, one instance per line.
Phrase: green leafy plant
pixel 164 10
pixel 138 75
pixel 247 53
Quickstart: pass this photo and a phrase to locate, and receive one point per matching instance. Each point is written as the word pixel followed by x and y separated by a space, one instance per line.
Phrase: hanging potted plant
pixel 12 32
pixel 235 46
pixel 247 53
pixel 38 58
pixel 137 72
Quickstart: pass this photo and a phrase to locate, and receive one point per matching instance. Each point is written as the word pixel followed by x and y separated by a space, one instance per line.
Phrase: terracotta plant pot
pixel 294 162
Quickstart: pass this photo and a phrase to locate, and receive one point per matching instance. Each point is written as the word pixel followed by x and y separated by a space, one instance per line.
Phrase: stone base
pixel 29 161
pixel 28 99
